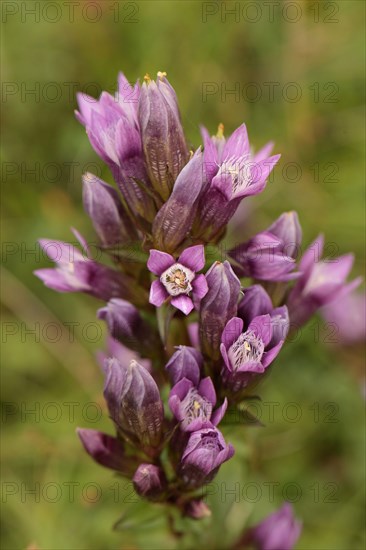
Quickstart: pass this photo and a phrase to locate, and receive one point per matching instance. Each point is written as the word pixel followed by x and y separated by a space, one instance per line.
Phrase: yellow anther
pixel 220 131
pixel 161 74
pixel 196 405
pixel 247 346
pixel 147 78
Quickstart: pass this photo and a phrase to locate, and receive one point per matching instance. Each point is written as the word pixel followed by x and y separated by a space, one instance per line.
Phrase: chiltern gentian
pixel 169 205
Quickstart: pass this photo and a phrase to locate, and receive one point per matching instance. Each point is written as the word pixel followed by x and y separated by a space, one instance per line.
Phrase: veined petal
pixel 237 144
pixel 158 294
pixel 232 331
pixel 193 257
pixel 199 286
pixel 207 390
pixel 263 153
pixel 183 303
pixel 159 262
pixel 262 327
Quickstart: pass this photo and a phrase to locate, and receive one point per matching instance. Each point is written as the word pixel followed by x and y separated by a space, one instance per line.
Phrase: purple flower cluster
pixel 175 320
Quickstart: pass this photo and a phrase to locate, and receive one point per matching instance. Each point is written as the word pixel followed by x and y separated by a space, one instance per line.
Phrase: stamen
pixel 177 280
pixel 220 131
pixel 248 348
pixel 239 171
pixel 195 407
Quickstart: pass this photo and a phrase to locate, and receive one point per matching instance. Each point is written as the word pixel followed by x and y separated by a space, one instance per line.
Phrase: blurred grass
pixel 171 36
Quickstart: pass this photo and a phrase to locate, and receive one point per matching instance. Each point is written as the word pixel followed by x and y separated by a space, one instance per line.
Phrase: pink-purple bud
pixel 134 403
pixel 149 481
pixel 218 306
pixel 162 134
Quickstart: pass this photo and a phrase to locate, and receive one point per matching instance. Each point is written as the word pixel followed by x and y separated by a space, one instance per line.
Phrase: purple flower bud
pixel 177 279
pixel 134 403
pixel 149 481
pixel 75 272
pixel 254 302
pixel 126 325
pixel 174 220
pixel 106 450
pixel 163 139
pixel 263 258
pixel 193 406
pixel 218 306
pixel 278 531
pixel 321 282
pixel 104 207
pixel 186 362
pixel 206 450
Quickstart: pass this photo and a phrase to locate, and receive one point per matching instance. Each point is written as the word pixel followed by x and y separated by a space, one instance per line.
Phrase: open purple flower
pixel 76 272
pixel 321 282
pixel 193 406
pixel 206 450
pixel 262 257
pixel 114 133
pixel 249 349
pixel 232 173
pixel 178 279
pixel 278 531
pixel 270 255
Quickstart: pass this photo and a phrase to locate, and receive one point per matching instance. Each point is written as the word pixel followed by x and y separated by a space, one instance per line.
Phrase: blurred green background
pixel 297 69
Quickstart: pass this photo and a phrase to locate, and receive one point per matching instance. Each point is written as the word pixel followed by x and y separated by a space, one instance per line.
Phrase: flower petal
pixel 225 357
pixel 218 415
pixel 183 303
pixel 264 153
pixel 159 262
pixel 262 327
pixel 199 286
pixel 193 257
pixel 232 331
pixel 270 355
pixel 158 294
pixel 237 144
pixel 207 390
